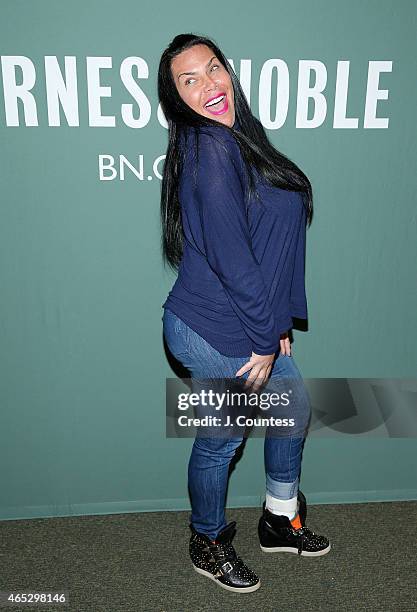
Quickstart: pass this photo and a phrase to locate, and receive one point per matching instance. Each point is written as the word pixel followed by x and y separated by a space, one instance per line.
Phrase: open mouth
pixel 217 105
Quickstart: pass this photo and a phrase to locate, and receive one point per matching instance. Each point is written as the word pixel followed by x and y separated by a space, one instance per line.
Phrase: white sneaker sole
pixel 304 553
pixel 249 589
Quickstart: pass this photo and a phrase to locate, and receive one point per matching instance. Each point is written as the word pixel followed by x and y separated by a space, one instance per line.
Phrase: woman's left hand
pixel 285 344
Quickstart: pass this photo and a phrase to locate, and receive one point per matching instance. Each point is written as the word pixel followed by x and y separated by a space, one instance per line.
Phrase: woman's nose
pixel 209 83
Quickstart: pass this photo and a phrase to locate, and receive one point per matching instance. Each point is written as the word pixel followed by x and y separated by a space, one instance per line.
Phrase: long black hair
pixel 257 151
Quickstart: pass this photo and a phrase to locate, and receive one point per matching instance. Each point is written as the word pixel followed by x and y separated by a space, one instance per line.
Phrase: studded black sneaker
pixel 218 561
pixel 278 534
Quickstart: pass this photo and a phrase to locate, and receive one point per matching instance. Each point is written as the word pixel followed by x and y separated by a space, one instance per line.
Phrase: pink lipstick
pixel 219 107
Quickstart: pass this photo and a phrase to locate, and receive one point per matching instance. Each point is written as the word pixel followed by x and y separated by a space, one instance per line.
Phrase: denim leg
pixel 208 471
pixel 283 454
pixel 283 466
pixel 208 467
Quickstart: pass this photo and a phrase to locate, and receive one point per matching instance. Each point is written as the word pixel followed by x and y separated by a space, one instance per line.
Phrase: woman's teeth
pixel 215 101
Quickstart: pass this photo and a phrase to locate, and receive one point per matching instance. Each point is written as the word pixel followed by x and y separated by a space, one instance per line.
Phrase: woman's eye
pixel 214 66
pixel 188 80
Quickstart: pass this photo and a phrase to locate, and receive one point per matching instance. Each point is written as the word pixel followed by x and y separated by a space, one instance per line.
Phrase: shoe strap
pixel 224 556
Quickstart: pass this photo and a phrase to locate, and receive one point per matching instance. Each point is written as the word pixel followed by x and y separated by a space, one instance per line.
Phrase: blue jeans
pixel 208 467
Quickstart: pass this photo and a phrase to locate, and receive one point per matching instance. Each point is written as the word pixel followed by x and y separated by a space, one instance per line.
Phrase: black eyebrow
pixel 208 64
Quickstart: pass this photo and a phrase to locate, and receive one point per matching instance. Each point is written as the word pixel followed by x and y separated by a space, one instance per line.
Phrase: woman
pixel 234 212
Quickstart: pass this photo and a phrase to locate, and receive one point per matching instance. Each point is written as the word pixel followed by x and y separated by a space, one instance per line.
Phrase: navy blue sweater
pixel 241 277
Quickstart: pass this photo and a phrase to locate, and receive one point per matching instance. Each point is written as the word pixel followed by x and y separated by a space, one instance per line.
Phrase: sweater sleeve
pixel 227 241
pixel 298 301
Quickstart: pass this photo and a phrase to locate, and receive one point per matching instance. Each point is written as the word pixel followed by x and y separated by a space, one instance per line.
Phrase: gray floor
pixel 135 562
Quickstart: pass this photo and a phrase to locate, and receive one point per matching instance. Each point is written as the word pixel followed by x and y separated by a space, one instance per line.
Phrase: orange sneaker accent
pixel 296 523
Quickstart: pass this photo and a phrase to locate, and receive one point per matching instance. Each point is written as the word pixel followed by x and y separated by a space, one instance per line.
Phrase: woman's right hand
pixel 260 366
